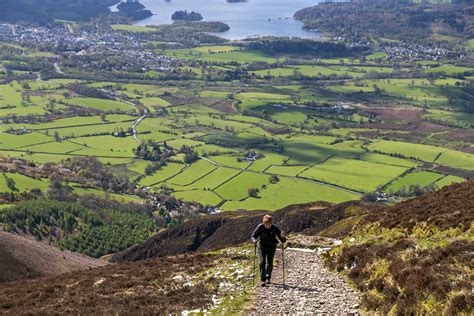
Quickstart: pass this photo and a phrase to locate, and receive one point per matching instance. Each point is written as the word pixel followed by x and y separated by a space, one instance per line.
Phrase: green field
pixel 73 122
pixel 193 173
pixel 448 69
pixel 10 96
pixel 319 71
pixel 448 180
pixel 117 197
pixel 350 88
pixel 204 197
pixel 417 151
pixel 329 129
pixel 100 104
pixel 456 159
pixel 375 56
pixel 133 28
pixel 22 182
pixel 42 54
pixel 62 147
pixel 154 101
pixel 268 160
pixel 224 57
pixel 247 96
pixel 137 166
pixel 170 170
pixel 217 49
pixel 215 178
pixel 286 170
pixel 420 178
pixel 470 44
pixel 459 119
pixel 389 160
pixel 419 91
pixel 305 153
pixel 443 156
pixel 229 161
pixel 214 94
pixel 86 129
pixel 353 174
pixel 290 191
pixel 237 188
pixel 37 158
pixel 9 141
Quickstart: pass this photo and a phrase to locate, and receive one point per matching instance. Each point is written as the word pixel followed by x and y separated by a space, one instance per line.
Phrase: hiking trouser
pixel 266 262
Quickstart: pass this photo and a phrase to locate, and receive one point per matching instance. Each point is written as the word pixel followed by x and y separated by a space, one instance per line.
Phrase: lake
pixel 250 18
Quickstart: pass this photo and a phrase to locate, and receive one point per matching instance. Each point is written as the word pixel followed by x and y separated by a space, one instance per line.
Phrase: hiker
pixel 267 233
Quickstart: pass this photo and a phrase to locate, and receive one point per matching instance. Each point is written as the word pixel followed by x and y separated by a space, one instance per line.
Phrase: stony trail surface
pixel 310 288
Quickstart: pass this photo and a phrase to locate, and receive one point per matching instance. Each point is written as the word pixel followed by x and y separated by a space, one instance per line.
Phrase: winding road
pixel 135 124
pixel 57 68
pixel 138 120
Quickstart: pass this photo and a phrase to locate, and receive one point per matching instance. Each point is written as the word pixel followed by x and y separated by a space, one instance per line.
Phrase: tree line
pixel 75 227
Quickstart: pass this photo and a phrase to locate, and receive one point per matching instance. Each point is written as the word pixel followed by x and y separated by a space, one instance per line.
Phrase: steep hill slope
pixel 451 206
pixel 414 256
pixel 160 286
pixel 233 228
pixel 25 258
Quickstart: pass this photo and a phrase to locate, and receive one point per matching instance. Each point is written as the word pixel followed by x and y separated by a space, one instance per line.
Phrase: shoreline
pixel 283 26
pixel 113 8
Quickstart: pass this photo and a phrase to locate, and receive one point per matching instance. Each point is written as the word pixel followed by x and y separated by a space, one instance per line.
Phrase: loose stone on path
pixel 310 288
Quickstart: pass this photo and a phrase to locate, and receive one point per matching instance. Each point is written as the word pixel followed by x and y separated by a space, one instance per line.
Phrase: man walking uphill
pixel 267 233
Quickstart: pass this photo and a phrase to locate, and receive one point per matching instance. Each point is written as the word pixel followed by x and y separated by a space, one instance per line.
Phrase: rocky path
pixel 310 288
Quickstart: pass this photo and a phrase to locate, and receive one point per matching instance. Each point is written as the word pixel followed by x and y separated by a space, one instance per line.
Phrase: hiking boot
pixel 262 284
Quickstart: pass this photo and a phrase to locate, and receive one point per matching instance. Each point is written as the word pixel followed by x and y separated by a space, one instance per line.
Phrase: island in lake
pixel 134 10
pixel 186 16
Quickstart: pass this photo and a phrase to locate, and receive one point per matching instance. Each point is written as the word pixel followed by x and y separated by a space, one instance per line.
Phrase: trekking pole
pixel 254 263
pixel 283 262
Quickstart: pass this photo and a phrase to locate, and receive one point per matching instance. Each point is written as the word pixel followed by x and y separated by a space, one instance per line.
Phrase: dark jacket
pixel 268 237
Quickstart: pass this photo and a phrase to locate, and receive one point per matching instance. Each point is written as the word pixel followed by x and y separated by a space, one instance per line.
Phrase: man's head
pixel 267 220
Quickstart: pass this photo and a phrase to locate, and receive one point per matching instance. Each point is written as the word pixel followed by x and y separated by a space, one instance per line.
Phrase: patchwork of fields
pixel 277 142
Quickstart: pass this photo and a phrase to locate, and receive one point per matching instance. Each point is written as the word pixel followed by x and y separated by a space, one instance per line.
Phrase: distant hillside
pixel 394 19
pixel 44 11
pixel 25 258
pixel 233 228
